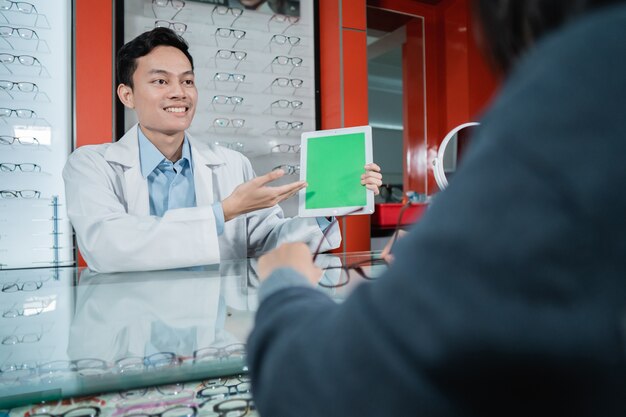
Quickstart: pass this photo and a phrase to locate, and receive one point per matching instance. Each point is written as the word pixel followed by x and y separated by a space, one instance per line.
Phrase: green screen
pixel 334 166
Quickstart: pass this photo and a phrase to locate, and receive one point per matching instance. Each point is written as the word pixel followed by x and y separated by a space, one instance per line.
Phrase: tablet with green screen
pixel 332 162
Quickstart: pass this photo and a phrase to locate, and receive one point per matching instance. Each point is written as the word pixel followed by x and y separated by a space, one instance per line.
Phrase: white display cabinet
pixel 35 132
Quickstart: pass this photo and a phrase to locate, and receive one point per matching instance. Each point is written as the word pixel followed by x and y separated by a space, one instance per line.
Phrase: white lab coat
pixel 108 205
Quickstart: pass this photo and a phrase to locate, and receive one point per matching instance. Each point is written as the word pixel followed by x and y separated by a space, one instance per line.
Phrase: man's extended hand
pixel 255 194
pixel 291 255
pixel 372 179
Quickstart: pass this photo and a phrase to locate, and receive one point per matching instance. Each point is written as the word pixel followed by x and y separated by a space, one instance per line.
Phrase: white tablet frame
pixel 368 208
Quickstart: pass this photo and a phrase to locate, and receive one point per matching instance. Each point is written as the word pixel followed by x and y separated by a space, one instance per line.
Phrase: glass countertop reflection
pixel 67 332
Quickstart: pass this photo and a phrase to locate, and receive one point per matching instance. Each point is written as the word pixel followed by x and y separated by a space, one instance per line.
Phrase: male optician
pixel 161 199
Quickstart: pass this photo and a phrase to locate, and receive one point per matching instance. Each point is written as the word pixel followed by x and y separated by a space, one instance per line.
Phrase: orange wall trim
pixel 354 14
pixel 94 71
pixel 343 87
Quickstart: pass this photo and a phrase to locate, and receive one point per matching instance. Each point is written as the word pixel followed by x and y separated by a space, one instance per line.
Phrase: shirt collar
pixel 150 157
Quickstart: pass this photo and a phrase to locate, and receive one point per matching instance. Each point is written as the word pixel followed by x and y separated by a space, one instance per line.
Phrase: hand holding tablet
pixel 332 162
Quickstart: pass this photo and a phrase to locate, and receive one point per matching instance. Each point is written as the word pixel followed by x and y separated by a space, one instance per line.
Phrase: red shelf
pixel 386 214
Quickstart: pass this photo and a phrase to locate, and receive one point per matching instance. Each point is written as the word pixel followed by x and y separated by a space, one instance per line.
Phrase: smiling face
pixel 163 95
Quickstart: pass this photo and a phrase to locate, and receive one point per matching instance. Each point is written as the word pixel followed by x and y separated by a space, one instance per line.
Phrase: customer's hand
pixel 372 179
pixel 292 255
pixel 255 194
pixel 386 253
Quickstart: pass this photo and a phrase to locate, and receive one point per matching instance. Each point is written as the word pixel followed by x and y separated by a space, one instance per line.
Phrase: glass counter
pixel 68 332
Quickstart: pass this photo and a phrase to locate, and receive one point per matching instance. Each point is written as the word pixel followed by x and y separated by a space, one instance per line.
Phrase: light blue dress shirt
pixel 170 184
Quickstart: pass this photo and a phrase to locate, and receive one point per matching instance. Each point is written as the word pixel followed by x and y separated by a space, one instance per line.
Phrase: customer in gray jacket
pixel 508 298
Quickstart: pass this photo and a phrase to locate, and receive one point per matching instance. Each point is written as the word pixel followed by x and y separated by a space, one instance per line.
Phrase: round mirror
pixel 450 152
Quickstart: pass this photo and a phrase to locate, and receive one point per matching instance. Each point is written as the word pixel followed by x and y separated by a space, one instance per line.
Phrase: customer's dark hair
pixel 508 28
pixel 142 45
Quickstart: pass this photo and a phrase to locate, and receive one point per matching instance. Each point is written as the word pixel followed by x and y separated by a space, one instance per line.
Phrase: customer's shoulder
pixel 579 65
pixel 596 35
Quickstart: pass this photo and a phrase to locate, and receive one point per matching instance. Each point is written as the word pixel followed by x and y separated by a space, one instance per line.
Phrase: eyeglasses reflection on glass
pixel 281 61
pixel 20 6
pixel 225 76
pixel 29 308
pixel 225 33
pixel 22 140
pixel 366 269
pixel 22 33
pixel 224 122
pixel 285 60
pixel 178 27
pixel 183 410
pixel 235 350
pixel 177 5
pixel 22 286
pixel 156 360
pixel 22 338
pixel 218 389
pixel 234 407
pixel 283 39
pixel 289 169
pixel 285 82
pixel 171 389
pixel 74 412
pixel 228 32
pixel 283 104
pixel 285 125
pixel 281 19
pixel 27 167
pixel 22 86
pixel 84 366
pixel 228 54
pixel 224 10
pixel 221 99
pixel 285 147
pixel 10 194
pixel 25 60
pixel 16 371
pixel 20 113
pixel 176 411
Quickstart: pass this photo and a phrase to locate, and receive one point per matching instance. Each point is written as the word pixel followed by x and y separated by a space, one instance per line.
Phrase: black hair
pixel 142 45
pixel 508 28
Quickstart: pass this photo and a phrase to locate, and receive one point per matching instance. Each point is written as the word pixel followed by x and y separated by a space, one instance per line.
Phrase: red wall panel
pixel 354 14
pixel 330 57
pixel 343 87
pixel 355 78
pixel 94 74
pixel 94 71
pixel 357 234
pixel 414 107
